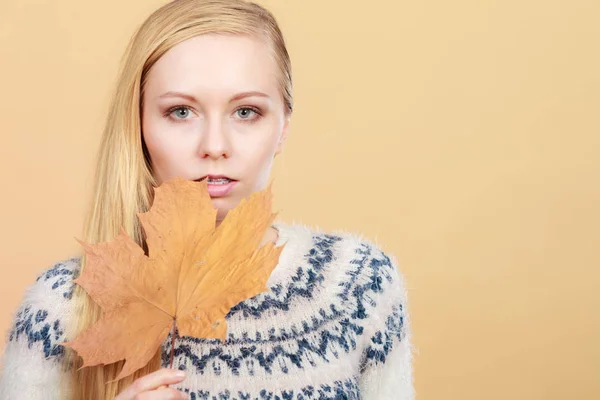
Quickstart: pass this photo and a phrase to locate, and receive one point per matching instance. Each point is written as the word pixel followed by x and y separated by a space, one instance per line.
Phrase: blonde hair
pixel 123 178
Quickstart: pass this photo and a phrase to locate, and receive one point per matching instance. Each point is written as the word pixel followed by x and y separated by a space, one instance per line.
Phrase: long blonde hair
pixel 123 181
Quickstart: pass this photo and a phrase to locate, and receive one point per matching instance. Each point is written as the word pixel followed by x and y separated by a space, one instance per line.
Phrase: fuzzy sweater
pixel 333 325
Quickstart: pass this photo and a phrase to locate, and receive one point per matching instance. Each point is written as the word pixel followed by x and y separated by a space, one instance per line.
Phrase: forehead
pixel 217 65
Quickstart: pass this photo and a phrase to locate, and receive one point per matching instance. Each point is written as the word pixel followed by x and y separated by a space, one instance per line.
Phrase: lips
pixel 215 178
pixel 218 185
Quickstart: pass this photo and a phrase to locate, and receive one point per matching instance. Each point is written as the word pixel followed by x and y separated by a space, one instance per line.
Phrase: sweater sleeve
pixel 32 359
pixel 386 363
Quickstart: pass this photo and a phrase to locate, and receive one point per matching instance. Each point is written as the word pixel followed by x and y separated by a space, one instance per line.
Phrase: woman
pixel 205 92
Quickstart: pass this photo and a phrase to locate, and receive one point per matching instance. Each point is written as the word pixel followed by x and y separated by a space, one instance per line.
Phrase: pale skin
pixel 212 105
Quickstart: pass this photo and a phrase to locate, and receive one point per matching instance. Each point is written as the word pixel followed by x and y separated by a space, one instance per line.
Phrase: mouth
pixel 216 179
pixel 218 185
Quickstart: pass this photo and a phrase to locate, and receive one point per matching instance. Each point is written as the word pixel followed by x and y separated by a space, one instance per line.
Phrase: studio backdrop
pixel 463 136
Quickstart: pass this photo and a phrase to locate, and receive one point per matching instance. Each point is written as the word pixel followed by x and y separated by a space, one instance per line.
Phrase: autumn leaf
pixel 191 278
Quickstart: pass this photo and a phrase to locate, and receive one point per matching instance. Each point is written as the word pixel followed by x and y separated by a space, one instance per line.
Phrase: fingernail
pixel 180 374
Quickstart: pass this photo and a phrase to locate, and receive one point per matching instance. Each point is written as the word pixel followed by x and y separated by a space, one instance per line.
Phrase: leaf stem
pixel 173 342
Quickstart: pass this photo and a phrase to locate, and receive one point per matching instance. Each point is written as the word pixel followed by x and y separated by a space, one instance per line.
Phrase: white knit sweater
pixel 333 325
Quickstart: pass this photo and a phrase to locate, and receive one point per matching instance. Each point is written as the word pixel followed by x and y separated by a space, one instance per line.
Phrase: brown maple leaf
pixel 191 278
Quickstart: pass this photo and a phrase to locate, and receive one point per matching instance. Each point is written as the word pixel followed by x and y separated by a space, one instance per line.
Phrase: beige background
pixel 461 135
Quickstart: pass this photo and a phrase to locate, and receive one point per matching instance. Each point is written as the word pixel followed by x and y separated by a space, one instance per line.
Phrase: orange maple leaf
pixel 191 278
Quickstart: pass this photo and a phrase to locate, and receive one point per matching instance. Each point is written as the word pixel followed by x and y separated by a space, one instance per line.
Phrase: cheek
pixel 258 157
pixel 164 149
pixel 260 145
pixel 156 146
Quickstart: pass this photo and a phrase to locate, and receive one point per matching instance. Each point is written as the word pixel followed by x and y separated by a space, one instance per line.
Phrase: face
pixel 212 107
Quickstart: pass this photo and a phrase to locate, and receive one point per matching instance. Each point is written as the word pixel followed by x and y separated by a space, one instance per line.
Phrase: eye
pixel 179 112
pixel 247 112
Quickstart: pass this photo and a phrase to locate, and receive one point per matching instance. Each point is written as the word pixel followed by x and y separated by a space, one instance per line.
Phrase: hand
pixel 153 386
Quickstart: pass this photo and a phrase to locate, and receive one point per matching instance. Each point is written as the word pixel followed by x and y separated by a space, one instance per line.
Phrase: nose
pixel 214 142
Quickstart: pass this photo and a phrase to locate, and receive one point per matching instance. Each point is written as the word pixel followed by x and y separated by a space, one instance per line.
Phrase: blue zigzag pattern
pixel 34 326
pixel 254 356
pixel 302 283
pixel 62 274
pixel 33 323
pixel 338 390
pixel 382 342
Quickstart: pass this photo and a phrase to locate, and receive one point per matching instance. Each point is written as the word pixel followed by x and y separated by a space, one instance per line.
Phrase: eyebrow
pixel 189 97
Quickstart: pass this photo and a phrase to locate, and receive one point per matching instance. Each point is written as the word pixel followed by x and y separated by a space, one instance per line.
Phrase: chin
pixel 222 207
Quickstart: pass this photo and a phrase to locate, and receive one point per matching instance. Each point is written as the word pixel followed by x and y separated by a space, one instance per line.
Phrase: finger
pixel 164 376
pixel 162 394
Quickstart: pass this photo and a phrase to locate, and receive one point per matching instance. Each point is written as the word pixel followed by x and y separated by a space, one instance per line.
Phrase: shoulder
pixel 361 250
pixel 32 356
pixel 42 316
pixel 378 279
pixel 56 280
pixel 361 263
pixel 357 275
